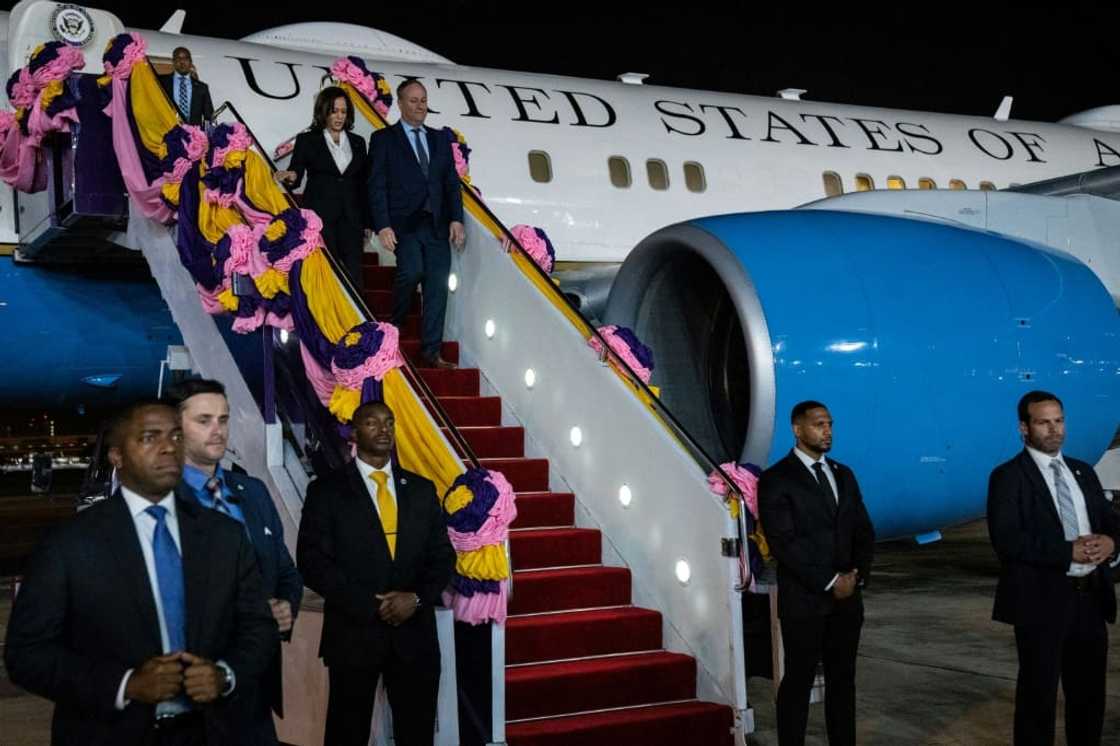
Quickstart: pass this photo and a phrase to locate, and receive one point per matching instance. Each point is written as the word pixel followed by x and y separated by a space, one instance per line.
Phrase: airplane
pixel 599 165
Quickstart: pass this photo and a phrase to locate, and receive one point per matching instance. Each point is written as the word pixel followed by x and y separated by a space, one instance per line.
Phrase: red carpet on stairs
pixel 584 666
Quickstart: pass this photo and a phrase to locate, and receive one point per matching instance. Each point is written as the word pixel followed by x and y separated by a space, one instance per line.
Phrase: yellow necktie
pixel 387 507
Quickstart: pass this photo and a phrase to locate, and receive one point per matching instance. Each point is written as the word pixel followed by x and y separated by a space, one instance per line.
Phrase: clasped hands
pixel 396 607
pixel 845 585
pixel 165 677
pixel 1093 549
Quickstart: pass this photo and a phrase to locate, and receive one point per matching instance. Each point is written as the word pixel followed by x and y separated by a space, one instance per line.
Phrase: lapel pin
pixel 240 486
pixel 267 531
pixel 404 481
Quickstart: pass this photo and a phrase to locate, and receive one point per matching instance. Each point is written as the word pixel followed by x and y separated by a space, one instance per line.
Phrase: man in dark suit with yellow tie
pixel 1054 533
pixel 189 94
pixel 818 529
pixel 373 543
pixel 417 208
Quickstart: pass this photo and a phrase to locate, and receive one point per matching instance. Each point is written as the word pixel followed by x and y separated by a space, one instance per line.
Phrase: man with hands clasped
pixel 1055 534
pixel 142 616
pixel 821 535
pixel 373 543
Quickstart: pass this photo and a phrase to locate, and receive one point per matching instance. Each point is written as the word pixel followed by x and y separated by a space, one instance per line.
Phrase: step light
pixel 489 328
pixel 576 436
pixel 684 572
pixel 453 282
pixel 530 378
pixel 624 495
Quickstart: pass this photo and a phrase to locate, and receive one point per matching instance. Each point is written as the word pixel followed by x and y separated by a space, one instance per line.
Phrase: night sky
pixel 930 56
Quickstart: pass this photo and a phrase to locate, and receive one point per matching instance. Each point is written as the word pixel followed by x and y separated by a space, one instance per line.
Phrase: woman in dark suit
pixel 334 160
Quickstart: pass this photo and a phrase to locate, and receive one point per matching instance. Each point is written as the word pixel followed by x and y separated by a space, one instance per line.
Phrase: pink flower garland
pixel 25 90
pixel 239 140
pixel 621 349
pixel 534 245
pixel 245 257
pixel 312 236
pixel 346 71
pixel 133 53
pixel 387 358
pixel 481 607
pixel 743 479
pixel 68 60
pixel 496 527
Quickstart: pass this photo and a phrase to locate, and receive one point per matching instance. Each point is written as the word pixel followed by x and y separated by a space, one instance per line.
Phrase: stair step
pixel 675 724
pixel 378 278
pixel 471 411
pixel 555 547
pixel 371 259
pixel 495 442
pixel 576 634
pixel 457 382
pixel 541 509
pixel 525 474
pixel 449 351
pixel 569 588
pixel 381 302
pixel 544 689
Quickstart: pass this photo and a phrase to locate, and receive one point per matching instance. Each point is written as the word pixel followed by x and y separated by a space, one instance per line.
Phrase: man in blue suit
pixel 417 207
pixel 205 419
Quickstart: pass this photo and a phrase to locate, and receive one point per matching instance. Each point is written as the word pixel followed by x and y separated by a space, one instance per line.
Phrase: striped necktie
pixel 184 99
pixel 1066 509
pixel 421 150
pixel 218 495
pixel 387 508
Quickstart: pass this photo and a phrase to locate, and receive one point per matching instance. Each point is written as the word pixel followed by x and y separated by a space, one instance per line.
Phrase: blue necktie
pixel 421 151
pixel 1066 509
pixel 169 573
pixel 184 99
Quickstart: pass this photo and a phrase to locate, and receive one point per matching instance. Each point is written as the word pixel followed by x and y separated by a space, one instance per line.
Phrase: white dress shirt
pixel 145 524
pixel 809 461
pixel 1084 528
pixel 340 150
pixel 371 486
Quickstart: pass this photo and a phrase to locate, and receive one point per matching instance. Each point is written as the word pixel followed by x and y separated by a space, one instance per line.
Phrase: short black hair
pixel 1034 397
pixel 324 105
pixel 371 405
pixel 406 83
pixel 801 408
pixel 176 51
pixel 179 393
pixel 114 431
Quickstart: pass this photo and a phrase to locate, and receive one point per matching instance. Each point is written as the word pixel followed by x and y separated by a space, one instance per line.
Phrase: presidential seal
pixel 71 24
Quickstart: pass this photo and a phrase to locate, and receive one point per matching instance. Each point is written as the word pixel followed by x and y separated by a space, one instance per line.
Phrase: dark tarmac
pixel 933 668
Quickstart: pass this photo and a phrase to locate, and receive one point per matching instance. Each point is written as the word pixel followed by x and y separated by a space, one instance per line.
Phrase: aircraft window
pixel 896 182
pixel 926 183
pixel 658 174
pixel 987 186
pixel 540 167
pixel 956 184
pixel 864 183
pixel 694 177
pixel 620 171
pixel 833 187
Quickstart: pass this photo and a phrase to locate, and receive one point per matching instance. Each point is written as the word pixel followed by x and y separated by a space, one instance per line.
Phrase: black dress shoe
pixel 436 362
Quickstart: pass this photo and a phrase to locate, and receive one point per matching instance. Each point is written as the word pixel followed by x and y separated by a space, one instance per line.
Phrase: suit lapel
pixel 254 521
pixel 1087 489
pixel 363 506
pixel 405 505
pixel 194 549
pixel 841 485
pixel 809 481
pixel 1042 491
pixel 123 542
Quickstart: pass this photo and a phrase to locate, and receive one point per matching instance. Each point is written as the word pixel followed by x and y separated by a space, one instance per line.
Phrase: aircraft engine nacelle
pixel 919 336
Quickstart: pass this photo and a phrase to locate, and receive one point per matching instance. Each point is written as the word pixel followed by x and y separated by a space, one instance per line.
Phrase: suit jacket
pixel 398 189
pixel 279 576
pixel 1027 534
pixel 202 108
pixel 344 557
pixel 813 536
pixel 85 614
pixel 330 194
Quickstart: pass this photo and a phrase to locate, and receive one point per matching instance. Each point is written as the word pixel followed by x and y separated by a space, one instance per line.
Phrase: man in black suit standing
pixel 373 542
pixel 143 615
pixel 189 94
pixel 1054 533
pixel 416 206
pixel 818 529
pixel 205 420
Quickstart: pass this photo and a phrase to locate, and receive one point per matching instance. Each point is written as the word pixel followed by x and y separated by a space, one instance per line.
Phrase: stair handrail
pixel 571 310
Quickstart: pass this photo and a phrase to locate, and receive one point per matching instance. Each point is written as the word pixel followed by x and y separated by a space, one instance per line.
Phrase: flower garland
pixel 460 152
pixel 225 163
pixel 745 477
pixel 122 53
pixel 44 104
pixel 537 245
pixel 370 350
pixel 627 346
pixel 372 85
pixel 182 147
pixel 480 506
